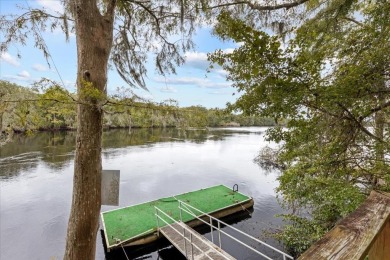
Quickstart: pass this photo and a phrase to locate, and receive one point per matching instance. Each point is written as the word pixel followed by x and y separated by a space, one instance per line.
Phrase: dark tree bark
pixel 380 121
pixel 94 41
pixel 1 122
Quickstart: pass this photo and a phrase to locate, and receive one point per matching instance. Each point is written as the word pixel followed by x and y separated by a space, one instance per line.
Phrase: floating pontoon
pixel 137 225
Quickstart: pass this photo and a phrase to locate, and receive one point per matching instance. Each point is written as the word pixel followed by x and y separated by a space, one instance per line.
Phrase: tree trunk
pixel 379 145
pixel 1 122
pixel 94 40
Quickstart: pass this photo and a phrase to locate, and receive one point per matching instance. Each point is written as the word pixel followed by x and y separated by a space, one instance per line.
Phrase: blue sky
pixel 191 86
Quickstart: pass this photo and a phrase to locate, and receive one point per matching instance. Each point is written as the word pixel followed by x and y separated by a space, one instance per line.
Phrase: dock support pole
pixel 192 247
pixel 158 222
pixel 185 241
pixel 181 215
pixel 211 226
pixel 219 234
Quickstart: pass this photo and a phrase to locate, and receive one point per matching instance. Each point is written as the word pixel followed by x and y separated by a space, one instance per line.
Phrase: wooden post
pixel 366 231
pixel 381 248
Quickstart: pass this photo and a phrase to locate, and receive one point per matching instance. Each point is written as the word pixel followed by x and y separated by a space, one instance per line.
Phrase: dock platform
pixel 200 248
pixel 137 225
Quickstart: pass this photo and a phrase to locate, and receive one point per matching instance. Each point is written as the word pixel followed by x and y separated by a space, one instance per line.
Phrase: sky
pixel 192 85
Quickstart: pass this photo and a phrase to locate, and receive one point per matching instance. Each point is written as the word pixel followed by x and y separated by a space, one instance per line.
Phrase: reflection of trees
pixel 11 167
pixel 24 153
pixel 59 149
pixel 120 138
pixel 44 142
pixel 269 159
pixel 56 149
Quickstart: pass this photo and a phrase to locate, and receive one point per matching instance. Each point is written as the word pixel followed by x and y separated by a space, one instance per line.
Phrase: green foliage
pixel 15 109
pixel 330 82
pixel 299 233
pixel 55 108
pixel 258 69
pixel 88 92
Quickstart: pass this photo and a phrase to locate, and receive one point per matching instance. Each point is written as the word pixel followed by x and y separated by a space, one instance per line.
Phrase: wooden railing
pixel 363 233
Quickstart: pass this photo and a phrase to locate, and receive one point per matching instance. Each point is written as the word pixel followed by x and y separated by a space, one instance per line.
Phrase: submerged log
pixel 364 232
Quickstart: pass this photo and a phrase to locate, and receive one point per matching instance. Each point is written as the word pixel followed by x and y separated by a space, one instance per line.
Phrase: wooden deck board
pixel 353 236
pixel 202 249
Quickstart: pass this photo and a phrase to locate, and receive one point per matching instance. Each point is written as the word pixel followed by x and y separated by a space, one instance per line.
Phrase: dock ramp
pixel 192 244
pixel 195 246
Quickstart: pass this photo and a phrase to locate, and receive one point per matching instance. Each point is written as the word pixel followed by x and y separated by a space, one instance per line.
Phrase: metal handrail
pixel 187 210
pixel 220 231
pixel 183 235
pixel 177 231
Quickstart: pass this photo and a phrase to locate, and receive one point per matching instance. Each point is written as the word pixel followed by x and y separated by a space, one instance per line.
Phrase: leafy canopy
pixel 161 29
pixel 330 81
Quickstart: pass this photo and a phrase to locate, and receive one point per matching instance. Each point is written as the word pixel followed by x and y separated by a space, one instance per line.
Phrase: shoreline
pixel 65 129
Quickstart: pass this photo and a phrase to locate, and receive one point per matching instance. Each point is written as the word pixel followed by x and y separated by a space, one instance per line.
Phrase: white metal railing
pixel 187 208
pixel 183 235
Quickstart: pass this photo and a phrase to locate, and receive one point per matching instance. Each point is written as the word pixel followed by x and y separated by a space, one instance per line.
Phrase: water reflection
pixel 26 153
pixel 119 138
pixel 56 149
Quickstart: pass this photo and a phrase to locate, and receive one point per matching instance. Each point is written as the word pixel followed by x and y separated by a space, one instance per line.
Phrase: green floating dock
pixel 136 225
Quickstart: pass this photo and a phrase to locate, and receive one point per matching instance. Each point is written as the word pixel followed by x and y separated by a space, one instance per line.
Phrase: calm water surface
pixel 36 183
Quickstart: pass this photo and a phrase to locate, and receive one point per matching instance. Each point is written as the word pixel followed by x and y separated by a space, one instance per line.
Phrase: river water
pixel 36 183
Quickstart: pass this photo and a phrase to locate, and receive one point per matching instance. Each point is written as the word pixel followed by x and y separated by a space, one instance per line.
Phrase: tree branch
pixel 323 110
pixel 110 11
pixel 33 12
pixel 157 20
pixel 259 7
pixel 74 101
pixel 375 109
pixel 358 123
pixel 353 20
pixel 150 12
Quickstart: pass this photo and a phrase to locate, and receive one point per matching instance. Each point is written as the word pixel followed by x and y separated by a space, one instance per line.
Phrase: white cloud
pixel 199 60
pixel 221 72
pixel 168 89
pixel 228 50
pixel 216 85
pixel 178 80
pixel 17 78
pixel 39 67
pixel 52 5
pixel 24 74
pixel 199 82
pixel 196 60
pixel 70 85
pixel 218 92
pixel 146 96
pixel 5 56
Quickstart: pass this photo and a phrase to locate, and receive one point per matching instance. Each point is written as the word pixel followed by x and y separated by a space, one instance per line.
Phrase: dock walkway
pixel 196 246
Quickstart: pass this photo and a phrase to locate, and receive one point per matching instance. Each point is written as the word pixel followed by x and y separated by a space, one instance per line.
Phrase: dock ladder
pixel 195 246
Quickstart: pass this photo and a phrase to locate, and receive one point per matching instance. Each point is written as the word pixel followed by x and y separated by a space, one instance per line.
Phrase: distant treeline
pixel 29 109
